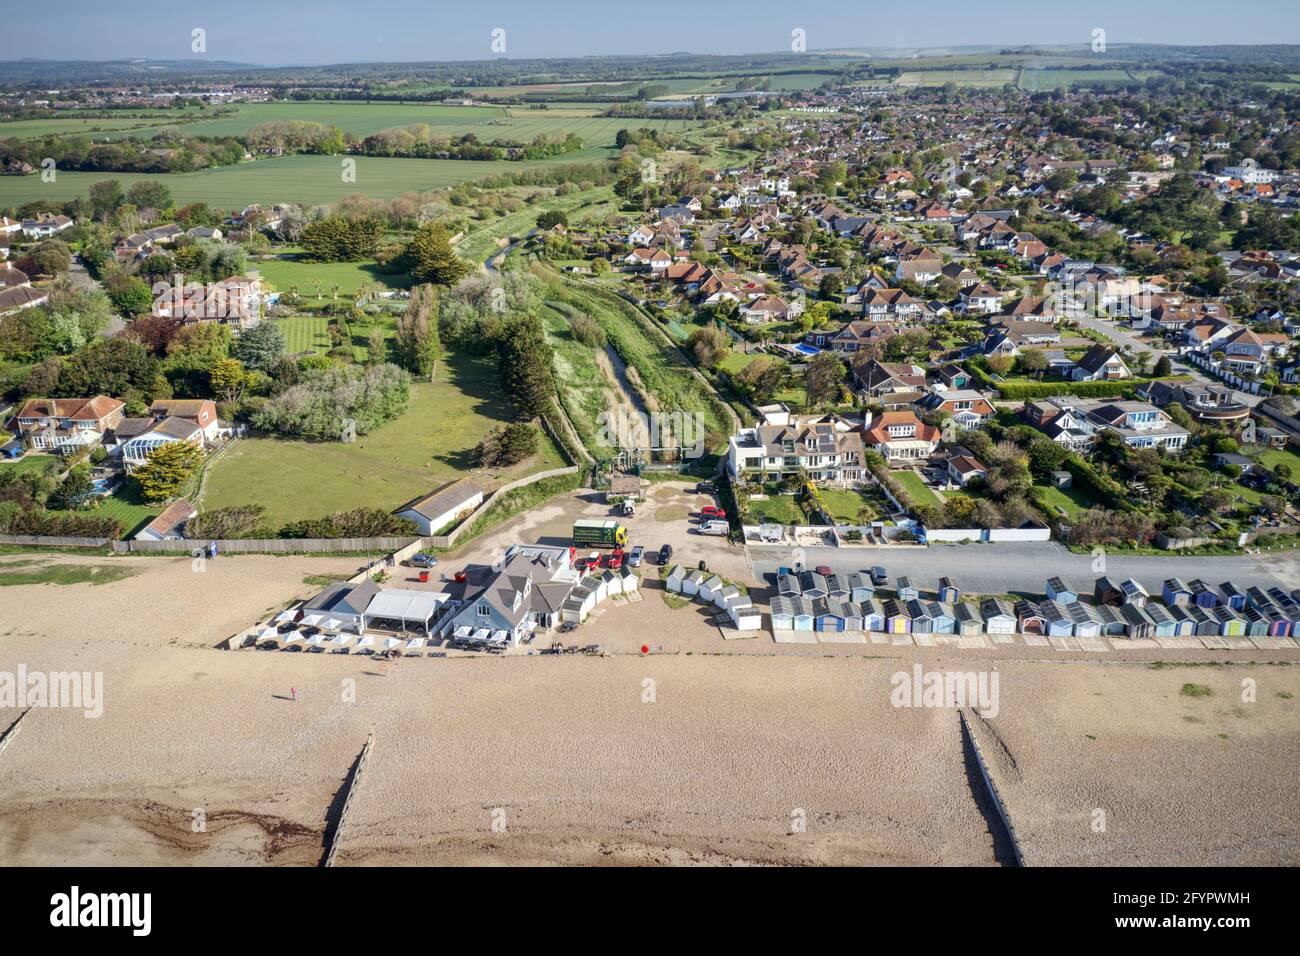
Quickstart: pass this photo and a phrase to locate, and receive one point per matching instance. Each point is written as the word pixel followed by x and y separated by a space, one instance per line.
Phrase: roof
pixel 448 497
pixel 176 513
pixel 79 409
pixel 344 598
pixel 403 605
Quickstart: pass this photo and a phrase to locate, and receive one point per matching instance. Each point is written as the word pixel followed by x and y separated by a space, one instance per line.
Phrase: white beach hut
pixel 782 614
pixel 710 588
pixel 725 594
pixel 675 578
pixel 691 583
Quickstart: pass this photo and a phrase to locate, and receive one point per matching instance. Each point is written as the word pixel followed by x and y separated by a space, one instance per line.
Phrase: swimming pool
pixel 804 349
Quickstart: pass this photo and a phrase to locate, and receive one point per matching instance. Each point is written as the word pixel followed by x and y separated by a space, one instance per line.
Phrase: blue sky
pixel 333 31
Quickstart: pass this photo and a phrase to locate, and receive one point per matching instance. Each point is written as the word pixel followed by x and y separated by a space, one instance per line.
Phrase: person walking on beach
pixel 293 692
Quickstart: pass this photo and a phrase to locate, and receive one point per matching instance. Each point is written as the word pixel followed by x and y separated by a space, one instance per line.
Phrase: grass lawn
pixel 427 446
pixel 31 463
pixel 780 508
pixel 917 490
pixel 287 271
pixel 1282 456
pixel 1072 500
pixel 844 504
pixel 128 507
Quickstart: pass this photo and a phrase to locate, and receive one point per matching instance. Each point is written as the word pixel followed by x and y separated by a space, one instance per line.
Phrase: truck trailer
pixel 599 533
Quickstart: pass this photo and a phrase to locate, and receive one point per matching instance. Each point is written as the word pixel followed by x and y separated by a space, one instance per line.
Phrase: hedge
pixel 1102 487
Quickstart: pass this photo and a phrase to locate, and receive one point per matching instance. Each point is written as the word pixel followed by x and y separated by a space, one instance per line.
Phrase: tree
pixel 260 347
pixel 1164 367
pixel 1033 362
pixel 105 197
pixel 432 258
pixel 551 219
pixel 52 257
pixel 341 239
pixel 74 492
pixel 417 342
pixel 709 345
pixel 109 367
pixel 376 347
pixel 524 365
pixel 825 378
pixel 507 446
pixel 229 380
pixel 166 469
pixel 129 294
pixel 147 194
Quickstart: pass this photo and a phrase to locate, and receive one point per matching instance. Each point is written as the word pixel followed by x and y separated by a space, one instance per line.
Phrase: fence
pixel 1201 360
pixel 52 541
pixel 992 789
pixel 264 545
pixel 988 534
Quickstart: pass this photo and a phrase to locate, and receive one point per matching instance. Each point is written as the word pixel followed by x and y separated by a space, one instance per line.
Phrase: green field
pixel 427 446
pixel 96 128
pixel 984 77
pixel 1072 500
pixel 1282 456
pixel 845 504
pixel 300 179
pixel 481 238
pixel 917 490
pixel 1063 79
pixel 30 463
pixel 286 271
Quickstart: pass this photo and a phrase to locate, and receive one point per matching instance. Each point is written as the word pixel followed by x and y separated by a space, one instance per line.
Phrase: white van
pixel 715 527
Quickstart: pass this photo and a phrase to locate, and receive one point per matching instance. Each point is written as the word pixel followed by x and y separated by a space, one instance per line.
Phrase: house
pixel 1206 402
pixel 891 304
pixel 1074 422
pixel 1099 364
pixel 65 425
pixel 874 378
pixel 901 436
pixel 856 335
pixel 201 411
pixel 16 298
pixel 169 524
pixel 770 308
pixel 235 301
pixel 524 593
pixel 980 299
pixel 443 506
pixel 826 448
pixel 967 407
pixel 138 437
pixel 963 468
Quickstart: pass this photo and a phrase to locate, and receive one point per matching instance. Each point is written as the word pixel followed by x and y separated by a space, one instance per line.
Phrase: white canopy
pixel 391 642
pixel 284 617
pixel 291 637
pixel 365 640
pixel 340 639
pixel 396 604
pixel 415 643
pixel 332 624
pixel 267 632
pixel 463 630
pixel 315 640
pixel 481 634
pixel 311 620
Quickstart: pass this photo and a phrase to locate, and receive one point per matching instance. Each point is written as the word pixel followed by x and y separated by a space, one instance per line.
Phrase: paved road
pixel 1116 334
pixel 1024 567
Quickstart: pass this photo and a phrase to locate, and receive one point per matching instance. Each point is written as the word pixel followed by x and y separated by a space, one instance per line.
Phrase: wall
pixel 265 545
pixel 449 540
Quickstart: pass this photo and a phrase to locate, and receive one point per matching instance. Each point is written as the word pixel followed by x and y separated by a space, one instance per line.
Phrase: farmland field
pixel 481 237
pixel 1062 79
pixel 427 446
pixel 302 179
pixel 111 127
pixel 960 77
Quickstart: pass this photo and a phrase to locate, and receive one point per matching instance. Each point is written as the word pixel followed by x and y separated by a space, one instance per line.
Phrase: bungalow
pixel 444 505
pixel 874 378
pixel 170 524
pixel 1099 364
pixel 153 434
pixel 770 308
pixel 964 468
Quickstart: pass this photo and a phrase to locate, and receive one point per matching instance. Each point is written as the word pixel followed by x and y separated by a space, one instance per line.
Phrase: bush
pixel 318 407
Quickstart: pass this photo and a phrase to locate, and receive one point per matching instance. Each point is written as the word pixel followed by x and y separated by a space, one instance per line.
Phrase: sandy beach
pixel 735 752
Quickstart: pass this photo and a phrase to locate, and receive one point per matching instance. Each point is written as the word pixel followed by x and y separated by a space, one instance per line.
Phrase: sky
pixel 284 32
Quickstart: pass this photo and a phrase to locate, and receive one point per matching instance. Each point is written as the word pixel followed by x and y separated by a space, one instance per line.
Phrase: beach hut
pixel 1058 590
pixel 813 585
pixel 596 584
pixel 828 616
pixel 1232 596
pixel 998 617
pixel 1175 593
pixel 897 620
pixel 1086 623
pixel 788 584
pixel 949 593
pixel 691 583
pixel 577 605
pixel 919 612
pixel 613 582
pixel 1134 592
pixel 725 594
pixel 804 614
pixel 873 615
pixel 1255 597
pixel 1184 623
pixel 906 590
pixel 851 611
pixel 631 580
pixel 1112 624
pixel 1285 602
pixel 1138 621
pixel 1056 618
pixel 675 578
pixel 967 616
pixel 860 586
pixel 746 617
pixel 782 609
pixel 1029 620
pixel 1231 623
pixel 836 586
pixel 1162 621
pixel 709 589
pixel 1256 622
pixel 1107 591
pixel 1206 624
pixel 1202 594
pixel 942 620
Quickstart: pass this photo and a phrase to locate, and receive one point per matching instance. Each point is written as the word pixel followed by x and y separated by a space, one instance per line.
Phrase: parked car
pixel 712 511
pixel 614 561
pixel 422 560
pixel 705 488
pixel 665 554
pixel 824 570
pixel 715 527
pixel 878 576
pixel 634 559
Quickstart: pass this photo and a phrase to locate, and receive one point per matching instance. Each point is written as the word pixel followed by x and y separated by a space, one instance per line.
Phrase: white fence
pixel 988 534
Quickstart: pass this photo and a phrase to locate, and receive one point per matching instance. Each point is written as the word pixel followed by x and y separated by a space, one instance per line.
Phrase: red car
pixel 713 511
pixel 615 561
pixel 823 570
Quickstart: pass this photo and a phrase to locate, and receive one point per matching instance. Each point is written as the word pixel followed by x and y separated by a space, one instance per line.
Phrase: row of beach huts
pixel 809 601
pixel 715 590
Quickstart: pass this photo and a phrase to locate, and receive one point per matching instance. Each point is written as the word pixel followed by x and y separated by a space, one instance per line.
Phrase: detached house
pixel 828 449
pixel 967 407
pixel 901 436
pixel 65 425
pixel 1099 364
